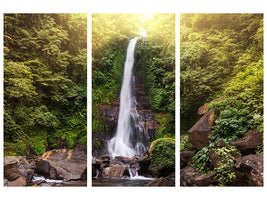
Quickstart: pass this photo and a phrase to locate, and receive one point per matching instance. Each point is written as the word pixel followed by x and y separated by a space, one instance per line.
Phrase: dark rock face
pixel 17 169
pixel 96 166
pixel 188 176
pixel 199 133
pixel 249 143
pixel 109 114
pixel 205 180
pixel 63 164
pixel 251 167
pixel 185 157
pixel 143 163
pixel 147 121
pixel 191 177
pixel 43 168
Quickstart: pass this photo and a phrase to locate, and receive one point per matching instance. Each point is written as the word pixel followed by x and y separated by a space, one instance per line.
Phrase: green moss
pixel 164 131
pixel 162 152
pixel 184 143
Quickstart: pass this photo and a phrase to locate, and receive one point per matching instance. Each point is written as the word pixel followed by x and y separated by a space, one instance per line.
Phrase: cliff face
pixel 147 117
pixel 108 115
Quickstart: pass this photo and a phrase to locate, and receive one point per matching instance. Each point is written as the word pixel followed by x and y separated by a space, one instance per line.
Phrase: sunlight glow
pixel 145 17
pixel 143 33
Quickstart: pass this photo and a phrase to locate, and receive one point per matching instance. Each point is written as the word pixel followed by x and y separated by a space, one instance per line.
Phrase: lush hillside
pixel 45 64
pixel 222 79
pixel 214 49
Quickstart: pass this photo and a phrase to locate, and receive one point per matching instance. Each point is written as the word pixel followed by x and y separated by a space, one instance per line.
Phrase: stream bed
pixel 111 182
pixel 38 180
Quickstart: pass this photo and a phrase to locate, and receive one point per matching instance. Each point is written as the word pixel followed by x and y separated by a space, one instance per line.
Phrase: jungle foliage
pixel 45 78
pixel 214 49
pixel 222 55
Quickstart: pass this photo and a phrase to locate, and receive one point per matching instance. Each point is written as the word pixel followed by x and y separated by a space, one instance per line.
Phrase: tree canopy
pixel 214 49
pixel 45 64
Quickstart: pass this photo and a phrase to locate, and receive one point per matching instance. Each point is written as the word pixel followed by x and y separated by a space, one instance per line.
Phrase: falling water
pixel 134 175
pixel 127 138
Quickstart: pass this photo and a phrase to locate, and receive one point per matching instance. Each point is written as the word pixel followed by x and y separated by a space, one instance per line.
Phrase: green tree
pixel 214 48
pixel 44 78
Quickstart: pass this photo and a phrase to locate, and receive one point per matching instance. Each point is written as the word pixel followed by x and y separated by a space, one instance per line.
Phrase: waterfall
pixel 134 175
pixel 126 141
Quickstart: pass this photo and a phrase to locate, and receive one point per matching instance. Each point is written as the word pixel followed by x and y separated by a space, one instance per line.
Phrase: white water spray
pixel 134 175
pixel 124 143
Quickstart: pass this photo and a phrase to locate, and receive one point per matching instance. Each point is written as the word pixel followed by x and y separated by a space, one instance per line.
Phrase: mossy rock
pixel 162 155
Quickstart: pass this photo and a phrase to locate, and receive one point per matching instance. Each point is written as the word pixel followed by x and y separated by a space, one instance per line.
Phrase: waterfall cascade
pixel 129 135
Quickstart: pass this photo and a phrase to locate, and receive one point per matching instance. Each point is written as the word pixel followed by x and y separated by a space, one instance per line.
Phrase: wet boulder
pixel 158 182
pixel 252 167
pixel 199 133
pixel 249 143
pixel 19 182
pixel 205 180
pixel 11 171
pixel 105 158
pixel 142 164
pixel 185 157
pixel 188 176
pixel 124 160
pixel 43 168
pixel 63 164
pixel 115 171
pixel 16 167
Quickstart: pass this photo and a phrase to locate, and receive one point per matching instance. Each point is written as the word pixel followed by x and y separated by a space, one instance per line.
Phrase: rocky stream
pixel 59 167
